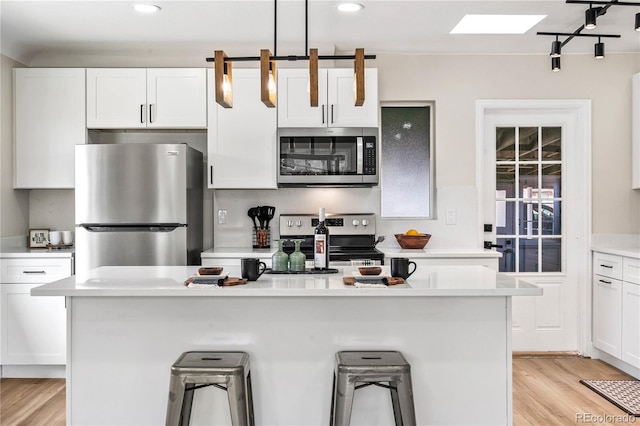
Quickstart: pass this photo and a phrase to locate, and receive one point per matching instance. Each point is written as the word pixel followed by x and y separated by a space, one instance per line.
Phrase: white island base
pixel 124 335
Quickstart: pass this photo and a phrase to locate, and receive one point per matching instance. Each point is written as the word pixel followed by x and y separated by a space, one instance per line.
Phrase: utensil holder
pixel 261 237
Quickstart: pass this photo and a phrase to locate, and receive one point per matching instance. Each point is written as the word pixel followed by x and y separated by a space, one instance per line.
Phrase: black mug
pixel 400 267
pixel 252 268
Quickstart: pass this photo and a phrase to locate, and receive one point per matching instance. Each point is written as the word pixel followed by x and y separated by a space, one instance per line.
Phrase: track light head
pixel 555 64
pixel 599 50
pixel 638 21
pixel 590 16
pixel 556 47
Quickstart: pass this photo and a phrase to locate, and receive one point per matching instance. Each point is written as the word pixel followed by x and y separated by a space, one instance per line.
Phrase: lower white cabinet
pixel 33 328
pixel 616 306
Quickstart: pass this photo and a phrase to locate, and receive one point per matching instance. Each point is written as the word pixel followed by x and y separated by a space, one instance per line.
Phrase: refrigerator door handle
pixel 160 227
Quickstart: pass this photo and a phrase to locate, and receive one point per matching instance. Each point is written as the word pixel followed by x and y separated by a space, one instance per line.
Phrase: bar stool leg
pixel 174 405
pixel 343 400
pixel 395 401
pixel 187 403
pixel 333 400
pixel 252 421
pixel 405 395
pixel 236 393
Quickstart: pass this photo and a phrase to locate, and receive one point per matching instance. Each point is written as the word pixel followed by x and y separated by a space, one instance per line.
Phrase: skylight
pixel 496 24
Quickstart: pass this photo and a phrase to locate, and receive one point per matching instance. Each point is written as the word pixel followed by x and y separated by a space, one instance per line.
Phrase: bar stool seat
pixel 358 369
pixel 228 371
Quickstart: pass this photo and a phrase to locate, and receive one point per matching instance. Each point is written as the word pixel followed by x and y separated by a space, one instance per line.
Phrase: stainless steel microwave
pixel 327 157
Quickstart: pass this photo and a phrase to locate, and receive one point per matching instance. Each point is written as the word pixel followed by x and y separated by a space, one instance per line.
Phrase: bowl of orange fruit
pixel 412 239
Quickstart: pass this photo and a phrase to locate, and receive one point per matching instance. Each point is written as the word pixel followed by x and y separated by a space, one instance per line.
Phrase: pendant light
pixel 358 77
pixel 223 79
pixel 313 77
pixel 590 16
pixel 555 64
pixel 599 49
pixel 556 47
pixel 267 78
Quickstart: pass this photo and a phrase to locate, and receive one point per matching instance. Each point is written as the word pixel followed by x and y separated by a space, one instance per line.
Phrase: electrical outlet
pixel 452 216
pixel 222 217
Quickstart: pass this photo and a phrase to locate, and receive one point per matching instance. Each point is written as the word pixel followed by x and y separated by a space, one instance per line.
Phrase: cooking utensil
pixel 269 212
pixel 253 214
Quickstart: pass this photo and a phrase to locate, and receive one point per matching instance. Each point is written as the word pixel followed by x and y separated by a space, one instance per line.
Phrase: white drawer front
pixel 27 271
pixel 631 270
pixel 607 265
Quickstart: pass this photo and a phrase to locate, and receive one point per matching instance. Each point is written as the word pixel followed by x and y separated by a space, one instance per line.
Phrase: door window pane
pixel 406 162
pixel 551 255
pixel 507 263
pixel 506 180
pixel 505 143
pixel 551 180
pixel 550 218
pixel 528 143
pixel 528 180
pixel 528 255
pixel 551 143
pixel 505 217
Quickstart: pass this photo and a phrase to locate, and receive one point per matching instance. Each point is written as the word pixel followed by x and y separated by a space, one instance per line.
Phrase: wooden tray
pixel 227 282
pixel 388 280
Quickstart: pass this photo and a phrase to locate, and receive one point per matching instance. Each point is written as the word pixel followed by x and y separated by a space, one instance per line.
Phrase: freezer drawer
pixel 130 247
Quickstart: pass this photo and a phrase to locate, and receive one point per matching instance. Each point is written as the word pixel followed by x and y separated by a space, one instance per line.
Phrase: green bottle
pixel 297 258
pixel 280 259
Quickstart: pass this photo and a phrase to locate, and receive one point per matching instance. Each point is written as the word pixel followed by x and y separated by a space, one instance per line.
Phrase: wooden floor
pixel 546 392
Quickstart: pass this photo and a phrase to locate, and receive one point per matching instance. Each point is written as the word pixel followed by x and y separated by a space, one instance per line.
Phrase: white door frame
pixel 580 111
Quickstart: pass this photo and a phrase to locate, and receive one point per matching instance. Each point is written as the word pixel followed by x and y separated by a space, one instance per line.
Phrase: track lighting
pixel 556 47
pixel 638 21
pixel 555 64
pixel 599 49
pixel 590 16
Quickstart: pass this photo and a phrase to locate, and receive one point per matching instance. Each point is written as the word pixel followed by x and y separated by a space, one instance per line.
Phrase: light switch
pixel 452 216
pixel 222 217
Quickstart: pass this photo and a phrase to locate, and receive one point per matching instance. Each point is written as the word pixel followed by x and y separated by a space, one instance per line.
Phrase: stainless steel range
pixel 352 236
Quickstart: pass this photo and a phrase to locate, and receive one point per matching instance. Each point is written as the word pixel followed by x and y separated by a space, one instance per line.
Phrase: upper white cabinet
pixel 635 132
pixel 241 140
pixel 335 99
pixel 130 98
pixel 49 114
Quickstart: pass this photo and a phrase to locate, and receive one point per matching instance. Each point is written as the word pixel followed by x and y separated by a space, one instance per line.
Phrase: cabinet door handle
pixel 150 113
pixel 34 272
pixel 322 113
pixel 211 175
pixel 142 113
pixel 331 113
pixel 605 282
pixel 607 266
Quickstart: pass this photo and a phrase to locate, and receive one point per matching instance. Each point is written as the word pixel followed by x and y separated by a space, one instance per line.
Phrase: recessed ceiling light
pixel 350 7
pixel 145 8
pixel 496 24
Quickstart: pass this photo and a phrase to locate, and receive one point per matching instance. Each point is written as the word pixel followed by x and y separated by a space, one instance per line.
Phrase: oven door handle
pixel 359 155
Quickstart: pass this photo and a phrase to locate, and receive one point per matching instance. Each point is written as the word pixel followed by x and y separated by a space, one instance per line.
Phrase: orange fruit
pixel 412 232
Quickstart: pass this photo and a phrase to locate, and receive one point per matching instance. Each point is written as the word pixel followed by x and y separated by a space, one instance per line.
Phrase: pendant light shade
pixel 555 64
pixel 267 79
pixel 223 79
pixel 590 16
pixel 599 50
pixel 556 47
pixel 638 21
pixel 358 69
pixel 313 77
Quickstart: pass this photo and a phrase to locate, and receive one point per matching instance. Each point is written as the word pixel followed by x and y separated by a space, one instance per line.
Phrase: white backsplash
pixel 236 232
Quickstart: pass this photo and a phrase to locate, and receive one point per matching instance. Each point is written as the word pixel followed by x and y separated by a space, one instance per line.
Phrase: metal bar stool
pixel 372 368
pixel 228 371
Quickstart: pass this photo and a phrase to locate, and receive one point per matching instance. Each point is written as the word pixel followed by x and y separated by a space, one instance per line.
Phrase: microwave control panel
pixel 369 156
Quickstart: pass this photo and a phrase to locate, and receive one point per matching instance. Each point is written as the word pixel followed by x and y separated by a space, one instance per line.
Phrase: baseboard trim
pixel 550 354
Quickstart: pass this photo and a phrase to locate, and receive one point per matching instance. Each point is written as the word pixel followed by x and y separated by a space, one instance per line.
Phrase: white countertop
pixel 426 253
pixel 620 250
pixel 123 281
pixel 22 252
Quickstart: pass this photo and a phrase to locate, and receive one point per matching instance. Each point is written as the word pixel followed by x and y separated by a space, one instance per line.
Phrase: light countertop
pixel 619 250
pixel 22 252
pixel 122 281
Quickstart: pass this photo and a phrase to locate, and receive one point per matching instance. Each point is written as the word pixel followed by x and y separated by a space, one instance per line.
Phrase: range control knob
pixel 355 222
pixel 298 223
pixel 289 223
pixel 365 222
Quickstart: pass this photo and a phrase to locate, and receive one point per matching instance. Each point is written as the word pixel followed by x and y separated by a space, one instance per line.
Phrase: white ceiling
pixel 242 27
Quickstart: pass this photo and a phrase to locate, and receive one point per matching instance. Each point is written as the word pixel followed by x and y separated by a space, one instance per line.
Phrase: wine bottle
pixel 321 243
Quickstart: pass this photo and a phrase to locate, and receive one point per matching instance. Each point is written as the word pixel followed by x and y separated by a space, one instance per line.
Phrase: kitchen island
pixel 127 325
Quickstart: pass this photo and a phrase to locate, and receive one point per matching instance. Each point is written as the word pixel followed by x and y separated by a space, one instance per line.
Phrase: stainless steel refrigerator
pixel 138 204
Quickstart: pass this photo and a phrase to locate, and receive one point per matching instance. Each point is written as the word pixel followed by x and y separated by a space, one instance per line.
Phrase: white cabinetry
pixel 33 328
pixel 616 306
pixel 241 140
pixel 130 98
pixel 635 132
pixel 335 99
pixel 49 108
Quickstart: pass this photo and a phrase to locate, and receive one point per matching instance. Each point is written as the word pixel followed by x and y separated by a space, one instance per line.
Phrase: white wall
pixel 455 82
pixel 14 204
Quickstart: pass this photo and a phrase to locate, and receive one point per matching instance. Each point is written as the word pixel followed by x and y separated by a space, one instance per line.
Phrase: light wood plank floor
pixel 546 392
